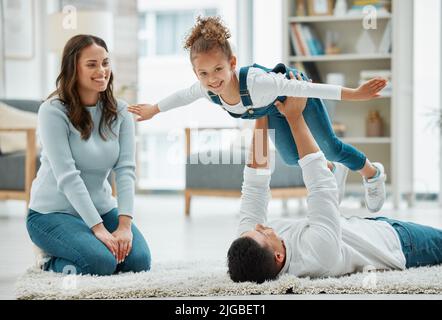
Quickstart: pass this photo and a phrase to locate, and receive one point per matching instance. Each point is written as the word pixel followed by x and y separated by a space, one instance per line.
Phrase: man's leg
pixel 422 245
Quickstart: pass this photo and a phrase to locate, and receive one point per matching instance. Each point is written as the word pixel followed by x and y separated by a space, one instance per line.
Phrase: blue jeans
pixel 422 245
pixel 75 249
pixel 316 117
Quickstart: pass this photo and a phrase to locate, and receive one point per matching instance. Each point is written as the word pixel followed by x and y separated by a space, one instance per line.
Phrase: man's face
pixel 266 237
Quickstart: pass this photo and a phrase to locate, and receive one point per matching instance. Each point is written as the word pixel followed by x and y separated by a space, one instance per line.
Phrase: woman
pixel 85 133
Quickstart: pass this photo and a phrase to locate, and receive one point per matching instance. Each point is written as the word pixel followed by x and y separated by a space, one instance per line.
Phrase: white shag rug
pixel 209 278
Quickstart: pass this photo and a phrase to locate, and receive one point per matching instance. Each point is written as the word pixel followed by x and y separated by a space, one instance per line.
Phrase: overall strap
pixel 243 91
pixel 255 65
pixel 215 98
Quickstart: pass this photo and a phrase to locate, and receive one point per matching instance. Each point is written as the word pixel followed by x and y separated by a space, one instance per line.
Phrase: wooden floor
pixel 206 234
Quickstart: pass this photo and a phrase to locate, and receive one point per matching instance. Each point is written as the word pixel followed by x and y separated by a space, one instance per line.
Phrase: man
pixel 324 243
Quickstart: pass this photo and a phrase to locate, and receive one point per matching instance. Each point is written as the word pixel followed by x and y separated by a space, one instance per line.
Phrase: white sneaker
pixel 340 173
pixel 375 189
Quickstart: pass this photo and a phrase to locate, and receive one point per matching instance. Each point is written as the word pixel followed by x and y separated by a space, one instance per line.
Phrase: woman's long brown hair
pixel 67 91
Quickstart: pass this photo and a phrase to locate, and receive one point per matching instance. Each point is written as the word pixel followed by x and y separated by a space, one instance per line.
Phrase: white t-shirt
pixel 264 87
pixel 324 243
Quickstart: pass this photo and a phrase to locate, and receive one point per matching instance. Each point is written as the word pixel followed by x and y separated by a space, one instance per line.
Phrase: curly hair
pixel 248 261
pixel 207 34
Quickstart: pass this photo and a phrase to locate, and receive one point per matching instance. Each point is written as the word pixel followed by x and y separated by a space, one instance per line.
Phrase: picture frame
pixel 320 7
pixel 19 26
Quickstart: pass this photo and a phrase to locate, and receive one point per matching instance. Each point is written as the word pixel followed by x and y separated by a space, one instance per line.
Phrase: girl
pixel 85 133
pixel 252 92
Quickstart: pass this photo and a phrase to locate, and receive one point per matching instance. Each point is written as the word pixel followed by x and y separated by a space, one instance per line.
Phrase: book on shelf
pixel 297 43
pixel 310 70
pixel 314 44
pixel 305 41
pixel 359 6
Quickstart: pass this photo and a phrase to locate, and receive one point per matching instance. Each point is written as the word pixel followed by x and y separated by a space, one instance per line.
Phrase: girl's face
pixel 214 70
pixel 93 69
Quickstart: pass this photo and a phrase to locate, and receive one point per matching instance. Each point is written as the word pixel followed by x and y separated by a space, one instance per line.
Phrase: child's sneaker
pixel 340 171
pixel 375 189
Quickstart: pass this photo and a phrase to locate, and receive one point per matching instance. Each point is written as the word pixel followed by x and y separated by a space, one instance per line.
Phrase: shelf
pixel 341 57
pixel 358 54
pixel 367 140
pixel 308 19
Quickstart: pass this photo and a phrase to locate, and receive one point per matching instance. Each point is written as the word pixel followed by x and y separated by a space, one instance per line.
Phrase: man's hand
pixel 366 91
pixel 144 111
pixel 292 107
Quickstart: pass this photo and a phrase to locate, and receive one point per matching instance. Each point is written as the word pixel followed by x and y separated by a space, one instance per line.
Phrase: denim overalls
pixel 315 115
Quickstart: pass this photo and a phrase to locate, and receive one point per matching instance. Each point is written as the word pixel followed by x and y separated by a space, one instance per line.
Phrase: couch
pixel 225 180
pixel 18 169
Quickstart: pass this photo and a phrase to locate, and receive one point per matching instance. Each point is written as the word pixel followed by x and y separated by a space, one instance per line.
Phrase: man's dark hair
pixel 248 261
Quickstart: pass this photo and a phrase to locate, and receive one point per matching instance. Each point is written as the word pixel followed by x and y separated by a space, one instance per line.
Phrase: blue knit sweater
pixel 73 174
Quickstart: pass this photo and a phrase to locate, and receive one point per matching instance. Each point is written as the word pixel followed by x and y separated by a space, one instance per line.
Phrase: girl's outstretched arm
pixel 175 100
pixel 366 91
pixel 144 111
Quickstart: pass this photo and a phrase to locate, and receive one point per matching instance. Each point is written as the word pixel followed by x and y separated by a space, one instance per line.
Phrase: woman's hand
pixel 144 111
pixel 366 91
pixel 123 236
pixel 292 107
pixel 104 236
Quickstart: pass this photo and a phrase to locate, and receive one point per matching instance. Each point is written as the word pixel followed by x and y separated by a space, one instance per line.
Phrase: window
pixel 162 33
pixel 164 68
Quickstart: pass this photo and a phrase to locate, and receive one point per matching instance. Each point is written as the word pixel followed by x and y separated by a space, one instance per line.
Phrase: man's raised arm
pixel 324 232
pixel 256 184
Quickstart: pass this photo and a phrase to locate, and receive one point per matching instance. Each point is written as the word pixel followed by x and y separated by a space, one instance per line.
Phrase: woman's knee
pixel 140 259
pixel 100 263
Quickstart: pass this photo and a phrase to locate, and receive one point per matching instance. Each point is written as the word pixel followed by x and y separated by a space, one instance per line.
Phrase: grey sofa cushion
pixel 230 176
pixel 12 170
pixel 25 105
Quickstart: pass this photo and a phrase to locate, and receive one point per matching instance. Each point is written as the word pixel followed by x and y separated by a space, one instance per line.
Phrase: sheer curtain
pixel 2 52
pixel 164 70
pixel 427 66
pixel 169 28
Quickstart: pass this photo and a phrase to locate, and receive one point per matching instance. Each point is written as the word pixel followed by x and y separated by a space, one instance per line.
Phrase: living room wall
pixel 37 74
pixel 125 54
pixel 28 73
